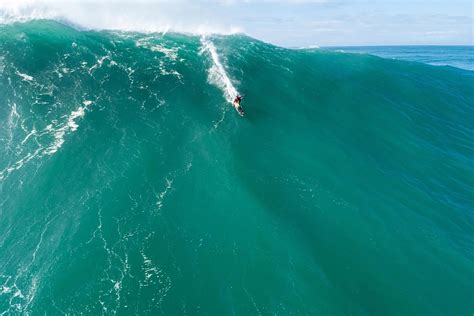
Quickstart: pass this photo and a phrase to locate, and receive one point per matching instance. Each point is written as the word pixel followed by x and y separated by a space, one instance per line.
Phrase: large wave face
pixel 129 184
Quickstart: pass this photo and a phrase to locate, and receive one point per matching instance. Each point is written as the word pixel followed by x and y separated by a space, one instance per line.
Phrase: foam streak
pixel 217 74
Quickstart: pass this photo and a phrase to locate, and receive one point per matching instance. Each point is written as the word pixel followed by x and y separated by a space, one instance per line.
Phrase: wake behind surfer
pixel 237 106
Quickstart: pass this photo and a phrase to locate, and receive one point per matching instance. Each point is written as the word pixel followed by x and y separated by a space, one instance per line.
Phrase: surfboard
pixel 238 108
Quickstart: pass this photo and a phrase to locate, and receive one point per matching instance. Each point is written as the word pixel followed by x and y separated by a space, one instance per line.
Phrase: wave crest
pixel 141 16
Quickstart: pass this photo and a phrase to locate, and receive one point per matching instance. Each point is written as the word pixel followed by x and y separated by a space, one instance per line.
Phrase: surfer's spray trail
pixel 217 74
pixel 116 197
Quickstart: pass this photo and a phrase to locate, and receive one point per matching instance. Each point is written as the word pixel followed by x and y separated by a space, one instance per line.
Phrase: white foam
pixel 13 114
pixel 2 64
pixel 99 63
pixel 25 76
pixel 33 132
pixel 171 53
pixel 5 290
pixel 154 276
pixel 19 164
pixel 217 74
pixel 166 72
pixel 69 126
pixel 139 15
pixel 162 195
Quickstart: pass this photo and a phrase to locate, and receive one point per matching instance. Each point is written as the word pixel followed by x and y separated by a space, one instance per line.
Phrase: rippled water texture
pixel 129 184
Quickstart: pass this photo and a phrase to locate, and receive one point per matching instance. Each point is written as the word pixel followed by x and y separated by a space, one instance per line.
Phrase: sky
pixel 289 23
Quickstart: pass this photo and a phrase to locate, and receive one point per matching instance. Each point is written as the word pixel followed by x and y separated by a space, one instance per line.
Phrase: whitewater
pixel 128 184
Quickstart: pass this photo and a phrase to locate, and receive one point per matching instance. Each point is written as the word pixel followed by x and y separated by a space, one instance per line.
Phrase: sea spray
pixel 217 74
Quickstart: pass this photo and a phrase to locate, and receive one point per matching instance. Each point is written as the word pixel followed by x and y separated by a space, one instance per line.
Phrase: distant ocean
pixel 129 185
pixel 455 56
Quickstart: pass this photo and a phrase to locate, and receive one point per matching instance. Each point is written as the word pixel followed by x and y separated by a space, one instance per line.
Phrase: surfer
pixel 237 106
pixel 237 99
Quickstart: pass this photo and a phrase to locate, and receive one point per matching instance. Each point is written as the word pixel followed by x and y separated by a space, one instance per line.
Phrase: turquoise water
pixel 129 185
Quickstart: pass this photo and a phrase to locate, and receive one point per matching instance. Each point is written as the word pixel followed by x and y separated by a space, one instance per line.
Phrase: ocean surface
pixel 129 185
pixel 455 56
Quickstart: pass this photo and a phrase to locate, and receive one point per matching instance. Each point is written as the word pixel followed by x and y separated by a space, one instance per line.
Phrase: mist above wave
pixel 140 16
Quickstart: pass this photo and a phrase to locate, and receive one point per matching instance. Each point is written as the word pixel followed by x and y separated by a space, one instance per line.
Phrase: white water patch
pixel 13 113
pixel 2 64
pixel 13 118
pixel 32 133
pixel 171 53
pixel 69 126
pixel 162 195
pixel 169 179
pixel 154 276
pixel 57 131
pixel 166 72
pixel 98 64
pixel 18 164
pixel 25 76
pixel 217 74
